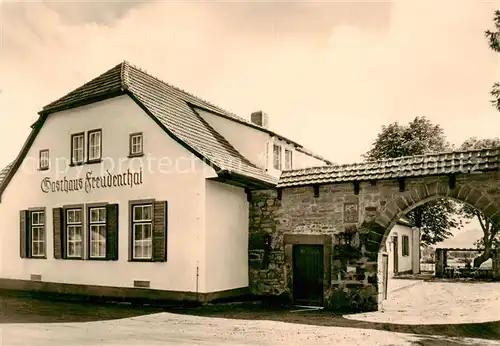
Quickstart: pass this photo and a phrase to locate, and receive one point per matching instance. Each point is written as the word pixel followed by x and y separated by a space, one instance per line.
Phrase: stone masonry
pixel 352 224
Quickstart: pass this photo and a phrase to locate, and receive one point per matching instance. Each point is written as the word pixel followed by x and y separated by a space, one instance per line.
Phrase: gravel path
pixel 438 303
pixel 173 329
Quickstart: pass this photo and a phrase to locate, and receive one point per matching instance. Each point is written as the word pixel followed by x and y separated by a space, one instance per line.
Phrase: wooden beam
pixel 280 194
pixel 452 181
pixel 402 186
pixel 316 190
pixel 356 187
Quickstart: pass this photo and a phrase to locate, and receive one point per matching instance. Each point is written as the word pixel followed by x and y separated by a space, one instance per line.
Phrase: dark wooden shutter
pixel 160 224
pixel 24 233
pixel 58 225
pixel 112 232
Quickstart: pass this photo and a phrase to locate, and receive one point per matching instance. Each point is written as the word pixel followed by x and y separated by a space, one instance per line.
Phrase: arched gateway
pixel 316 238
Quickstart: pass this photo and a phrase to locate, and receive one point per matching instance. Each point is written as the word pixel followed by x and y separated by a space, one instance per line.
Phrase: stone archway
pixel 363 201
pixel 482 195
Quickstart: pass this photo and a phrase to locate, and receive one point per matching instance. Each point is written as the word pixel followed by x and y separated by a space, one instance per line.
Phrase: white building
pixel 403 249
pixel 128 186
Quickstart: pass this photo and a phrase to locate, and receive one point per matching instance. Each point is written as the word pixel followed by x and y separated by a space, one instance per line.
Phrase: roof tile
pixel 173 108
pixel 410 166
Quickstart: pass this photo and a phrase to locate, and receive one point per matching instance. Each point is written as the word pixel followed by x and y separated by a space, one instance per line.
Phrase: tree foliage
pixel 493 38
pixel 435 218
pixel 491 234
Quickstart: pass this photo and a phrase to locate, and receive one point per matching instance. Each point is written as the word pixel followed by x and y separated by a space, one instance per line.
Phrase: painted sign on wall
pixel 90 182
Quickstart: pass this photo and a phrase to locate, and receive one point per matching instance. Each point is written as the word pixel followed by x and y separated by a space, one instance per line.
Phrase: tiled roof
pixel 172 107
pixel 408 166
pixel 4 171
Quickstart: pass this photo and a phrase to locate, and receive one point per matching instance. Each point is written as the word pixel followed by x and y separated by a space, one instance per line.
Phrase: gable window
pixel 288 159
pixel 277 156
pixel 37 227
pixel 97 228
pixel 95 145
pixel 32 237
pixel 77 148
pixel 136 144
pixel 406 245
pixel 142 231
pixel 74 234
pixel 43 160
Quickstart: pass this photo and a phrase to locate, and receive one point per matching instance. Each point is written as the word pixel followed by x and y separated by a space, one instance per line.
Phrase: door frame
pixel 309 239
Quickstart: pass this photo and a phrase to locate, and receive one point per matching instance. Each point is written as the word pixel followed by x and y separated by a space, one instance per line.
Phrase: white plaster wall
pixel 415 251
pixel 226 244
pixel 256 145
pixel 170 173
pixel 249 142
pixel 404 262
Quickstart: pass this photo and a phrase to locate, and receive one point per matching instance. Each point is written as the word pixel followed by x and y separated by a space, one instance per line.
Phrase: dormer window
pixel 288 159
pixel 77 148
pixel 95 145
pixel 277 157
pixel 43 161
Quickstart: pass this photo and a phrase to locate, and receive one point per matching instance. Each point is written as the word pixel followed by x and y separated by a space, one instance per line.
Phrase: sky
pixel 329 74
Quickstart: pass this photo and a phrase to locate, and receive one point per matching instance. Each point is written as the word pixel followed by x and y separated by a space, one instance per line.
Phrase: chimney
pixel 260 118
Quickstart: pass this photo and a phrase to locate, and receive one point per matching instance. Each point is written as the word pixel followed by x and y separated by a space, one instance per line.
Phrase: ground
pixel 29 321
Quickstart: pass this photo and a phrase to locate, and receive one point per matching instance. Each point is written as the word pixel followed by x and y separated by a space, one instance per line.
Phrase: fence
pixel 427 267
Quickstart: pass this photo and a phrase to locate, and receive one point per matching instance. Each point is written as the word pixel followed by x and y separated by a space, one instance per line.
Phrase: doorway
pixel 308 275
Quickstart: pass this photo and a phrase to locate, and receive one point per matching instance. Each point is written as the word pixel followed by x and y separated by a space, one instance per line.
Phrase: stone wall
pixel 352 224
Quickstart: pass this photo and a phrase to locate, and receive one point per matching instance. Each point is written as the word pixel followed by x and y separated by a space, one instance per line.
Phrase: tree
pixel 491 234
pixel 420 136
pixel 494 43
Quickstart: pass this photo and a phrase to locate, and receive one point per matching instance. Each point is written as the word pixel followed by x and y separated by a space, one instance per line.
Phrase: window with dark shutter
pixel 112 232
pixel 58 222
pixel 148 231
pixel 32 233
pixel 160 231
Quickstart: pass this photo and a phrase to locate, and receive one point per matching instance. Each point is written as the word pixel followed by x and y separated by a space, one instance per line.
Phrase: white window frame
pixel 37 233
pixel 44 159
pixel 277 156
pixel 74 225
pixel 77 153
pixel 288 159
pixel 98 224
pixel 136 144
pixel 145 242
pixel 95 145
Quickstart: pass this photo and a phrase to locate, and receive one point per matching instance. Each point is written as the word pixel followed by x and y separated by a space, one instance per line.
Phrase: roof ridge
pixel 449 152
pixel 184 91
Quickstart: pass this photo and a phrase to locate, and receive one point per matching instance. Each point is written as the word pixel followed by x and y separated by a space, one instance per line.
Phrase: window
pixel 277 156
pixel 32 236
pixel 37 232
pixel 97 228
pixel 142 228
pixel 74 238
pixel 288 159
pixel 95 145
pixel 136 144
pixel 77 148
pixel 43 160
pixel 406 245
